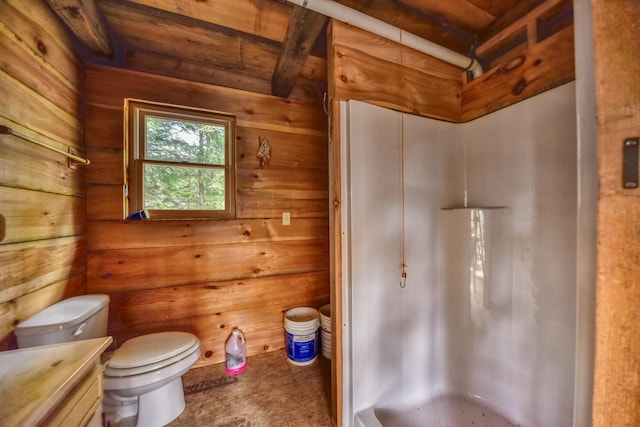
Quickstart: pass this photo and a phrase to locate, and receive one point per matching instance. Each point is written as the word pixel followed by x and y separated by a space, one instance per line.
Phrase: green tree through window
pixel 182 162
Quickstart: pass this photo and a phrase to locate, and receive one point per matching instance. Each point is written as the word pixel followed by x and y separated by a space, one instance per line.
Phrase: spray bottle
pixel 235 349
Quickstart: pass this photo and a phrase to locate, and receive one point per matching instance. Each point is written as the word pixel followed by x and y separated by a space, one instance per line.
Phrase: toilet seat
pixel 151 352
pixel 135 385
pixel 151 348
pixel 162 357
pixel 114 372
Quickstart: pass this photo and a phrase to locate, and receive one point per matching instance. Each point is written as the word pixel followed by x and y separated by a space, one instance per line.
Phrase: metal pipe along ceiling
pixel 350 16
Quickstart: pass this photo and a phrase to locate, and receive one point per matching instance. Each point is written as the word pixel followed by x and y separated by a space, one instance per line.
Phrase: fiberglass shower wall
pixel 523 158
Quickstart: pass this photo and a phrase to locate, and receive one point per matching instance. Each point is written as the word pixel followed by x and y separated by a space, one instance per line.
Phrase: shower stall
pixel 486 217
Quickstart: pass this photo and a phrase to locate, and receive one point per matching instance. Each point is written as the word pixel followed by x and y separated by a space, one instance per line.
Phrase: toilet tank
pixel 72 319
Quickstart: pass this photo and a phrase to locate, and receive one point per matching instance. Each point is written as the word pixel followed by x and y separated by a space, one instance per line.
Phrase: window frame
pixel 136 111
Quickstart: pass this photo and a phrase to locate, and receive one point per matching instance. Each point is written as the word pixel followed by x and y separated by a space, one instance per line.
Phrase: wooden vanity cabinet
pixel 53 385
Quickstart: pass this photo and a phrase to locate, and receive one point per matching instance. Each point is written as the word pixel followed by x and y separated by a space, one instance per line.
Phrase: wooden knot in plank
pixel 519 87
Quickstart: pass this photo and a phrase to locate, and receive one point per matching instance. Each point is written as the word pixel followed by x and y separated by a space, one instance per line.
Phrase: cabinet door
pixel 81 403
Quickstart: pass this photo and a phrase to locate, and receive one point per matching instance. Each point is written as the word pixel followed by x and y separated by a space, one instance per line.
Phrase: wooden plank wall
pixel 208 276
pixel 369 68
pixel 42 201
pixel 541 67
pixel 616 398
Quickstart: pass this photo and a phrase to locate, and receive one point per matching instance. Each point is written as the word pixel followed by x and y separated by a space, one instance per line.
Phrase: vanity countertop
pixel 33 381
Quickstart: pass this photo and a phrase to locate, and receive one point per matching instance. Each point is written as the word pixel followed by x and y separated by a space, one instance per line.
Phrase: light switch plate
pixel 286 218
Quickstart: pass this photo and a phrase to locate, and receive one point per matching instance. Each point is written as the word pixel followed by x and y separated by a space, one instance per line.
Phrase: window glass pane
pixel 184 141
pixel 183 187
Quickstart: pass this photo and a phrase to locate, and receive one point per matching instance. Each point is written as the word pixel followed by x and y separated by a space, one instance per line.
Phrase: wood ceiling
pixel 274 47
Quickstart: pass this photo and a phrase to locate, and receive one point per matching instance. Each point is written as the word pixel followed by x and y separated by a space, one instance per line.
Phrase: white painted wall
pixel 400 348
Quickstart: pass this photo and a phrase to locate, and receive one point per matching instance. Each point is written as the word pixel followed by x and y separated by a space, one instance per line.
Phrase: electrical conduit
pixel 350 16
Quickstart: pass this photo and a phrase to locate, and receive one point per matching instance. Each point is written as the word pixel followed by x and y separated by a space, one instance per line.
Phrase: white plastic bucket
pixel 325 330
pixel 301 335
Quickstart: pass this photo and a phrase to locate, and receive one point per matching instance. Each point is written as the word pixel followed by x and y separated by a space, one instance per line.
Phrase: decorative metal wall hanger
pixel 264 151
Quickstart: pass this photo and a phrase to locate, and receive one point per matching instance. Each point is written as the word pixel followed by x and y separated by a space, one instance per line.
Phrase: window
pixel 180 161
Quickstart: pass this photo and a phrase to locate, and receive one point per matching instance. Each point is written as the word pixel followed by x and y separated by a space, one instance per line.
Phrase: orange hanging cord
pixel 403 274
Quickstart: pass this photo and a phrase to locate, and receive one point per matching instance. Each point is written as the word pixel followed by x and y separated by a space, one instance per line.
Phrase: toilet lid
pixel 151 348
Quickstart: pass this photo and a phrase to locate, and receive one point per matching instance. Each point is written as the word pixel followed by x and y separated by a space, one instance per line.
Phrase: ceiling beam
pixel 86 22
pixel 304 27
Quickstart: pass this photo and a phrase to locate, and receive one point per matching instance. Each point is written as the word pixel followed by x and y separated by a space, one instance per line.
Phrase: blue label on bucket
pixel 302 348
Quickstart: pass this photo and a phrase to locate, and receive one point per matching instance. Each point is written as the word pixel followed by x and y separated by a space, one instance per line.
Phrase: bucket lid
pixel 151 348
pixel 62 315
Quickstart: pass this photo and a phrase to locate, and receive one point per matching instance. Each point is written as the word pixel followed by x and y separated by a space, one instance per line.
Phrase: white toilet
pixel 142 378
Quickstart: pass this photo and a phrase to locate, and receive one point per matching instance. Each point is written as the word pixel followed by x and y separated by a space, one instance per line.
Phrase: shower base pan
pixel 451 411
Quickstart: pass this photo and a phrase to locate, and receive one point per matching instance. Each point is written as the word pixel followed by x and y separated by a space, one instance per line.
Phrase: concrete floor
pixel 270 392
